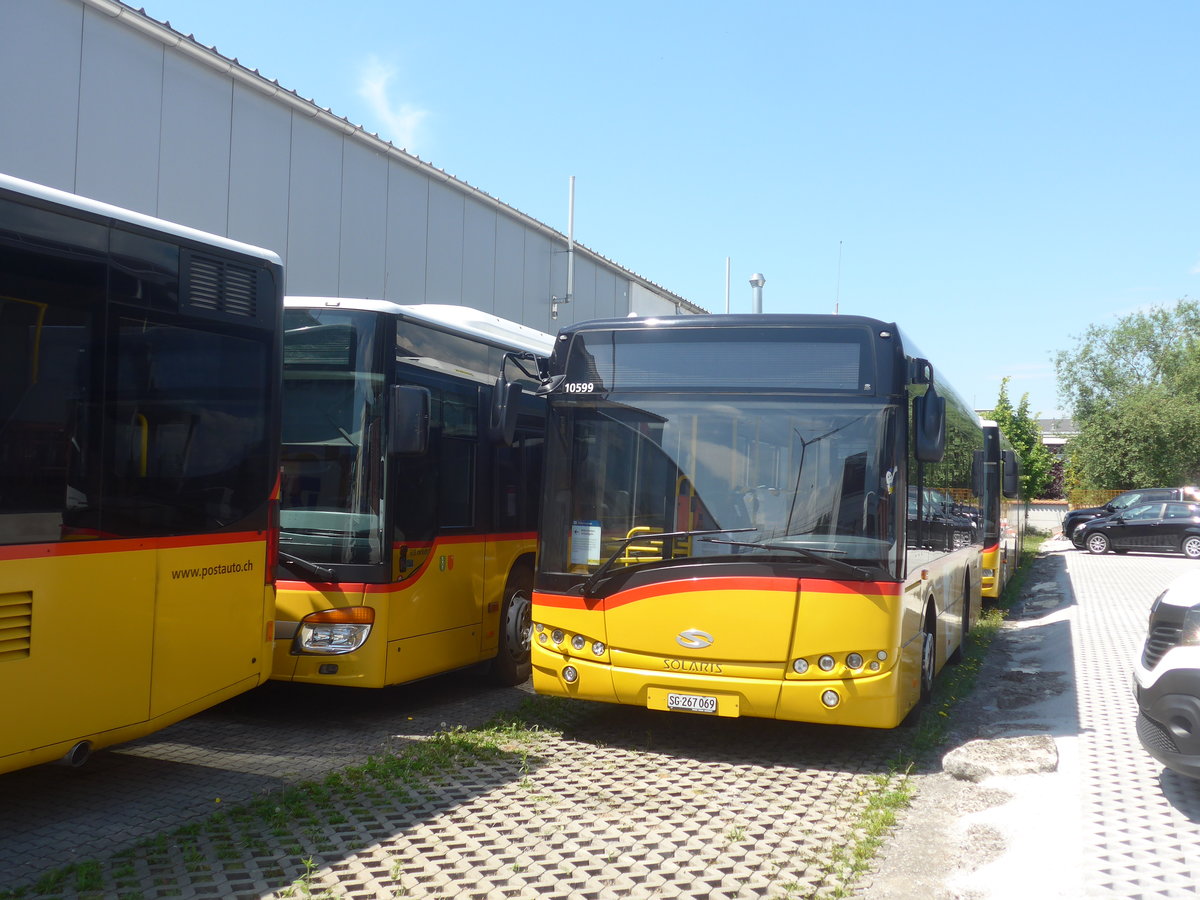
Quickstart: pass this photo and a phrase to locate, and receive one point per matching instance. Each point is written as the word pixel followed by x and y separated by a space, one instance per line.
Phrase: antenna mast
pixel 837 297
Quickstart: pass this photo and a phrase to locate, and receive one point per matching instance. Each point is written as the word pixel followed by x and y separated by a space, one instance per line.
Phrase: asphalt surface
pixel 621 802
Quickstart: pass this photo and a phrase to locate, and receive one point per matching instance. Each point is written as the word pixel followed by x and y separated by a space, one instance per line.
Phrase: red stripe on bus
pixel 125 545
pixel 411 577
pixel 692 585
pixel 470 539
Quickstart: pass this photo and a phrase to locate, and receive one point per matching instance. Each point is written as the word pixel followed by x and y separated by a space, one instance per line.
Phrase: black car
pixel 1172 527
pixel 1077 517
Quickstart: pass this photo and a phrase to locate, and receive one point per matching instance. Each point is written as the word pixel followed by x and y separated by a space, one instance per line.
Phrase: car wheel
pixel 1191 546
pixel 1097 543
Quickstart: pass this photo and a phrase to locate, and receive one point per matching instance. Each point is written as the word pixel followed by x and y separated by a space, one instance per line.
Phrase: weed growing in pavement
pixel 302 886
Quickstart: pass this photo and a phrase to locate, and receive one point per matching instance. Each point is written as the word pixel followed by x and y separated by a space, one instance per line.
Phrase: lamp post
pixel 757 281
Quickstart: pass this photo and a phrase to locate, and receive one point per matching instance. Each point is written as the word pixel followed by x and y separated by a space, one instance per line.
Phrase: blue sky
pixel 994 177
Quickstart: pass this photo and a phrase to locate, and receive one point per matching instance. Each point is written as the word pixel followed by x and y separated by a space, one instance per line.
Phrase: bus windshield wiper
pixel 815 555
pixel 306 567
pixel 594 579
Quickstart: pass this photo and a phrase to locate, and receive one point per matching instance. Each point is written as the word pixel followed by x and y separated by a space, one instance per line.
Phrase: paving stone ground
pixel 615 802
pixel 1108 822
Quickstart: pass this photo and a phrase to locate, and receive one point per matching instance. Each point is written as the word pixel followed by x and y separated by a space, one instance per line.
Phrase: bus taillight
pixel 272 537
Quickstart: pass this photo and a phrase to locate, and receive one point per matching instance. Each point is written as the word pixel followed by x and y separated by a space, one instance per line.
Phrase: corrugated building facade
pixel 103 101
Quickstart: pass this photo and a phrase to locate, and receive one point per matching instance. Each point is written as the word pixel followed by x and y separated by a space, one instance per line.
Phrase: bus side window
pixel 454 437
pixel 189 430
pixel 43 419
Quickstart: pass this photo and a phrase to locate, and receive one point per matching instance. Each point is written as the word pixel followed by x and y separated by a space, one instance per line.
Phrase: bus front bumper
pixel 871 701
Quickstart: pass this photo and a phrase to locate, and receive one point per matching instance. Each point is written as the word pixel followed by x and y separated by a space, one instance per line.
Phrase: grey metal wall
pixel 104 102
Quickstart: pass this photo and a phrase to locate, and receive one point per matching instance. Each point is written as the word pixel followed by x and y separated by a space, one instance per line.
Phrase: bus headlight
pixel 557 635
pixel 598 648
pixel 831 699
pixel 570 674
pixel 826 663
pixel 334 631
pixel 578 642
pixel 854 661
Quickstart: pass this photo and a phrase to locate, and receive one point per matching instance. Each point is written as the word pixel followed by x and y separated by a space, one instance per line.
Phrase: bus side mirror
pixel 1012 474
pixel 409 429
pixel 929 424
pixel 978 467
pixel 502 423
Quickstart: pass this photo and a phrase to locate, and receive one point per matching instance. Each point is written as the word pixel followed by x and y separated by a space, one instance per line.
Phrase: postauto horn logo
pixel 694 639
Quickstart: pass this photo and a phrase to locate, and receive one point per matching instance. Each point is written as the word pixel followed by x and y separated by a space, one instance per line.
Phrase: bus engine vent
pixel 16 625
pixel 221 286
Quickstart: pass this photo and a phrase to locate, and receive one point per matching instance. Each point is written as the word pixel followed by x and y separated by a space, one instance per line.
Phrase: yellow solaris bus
pixel 410 489
pixel 139 433
pixel 1003 511
pixel 769 515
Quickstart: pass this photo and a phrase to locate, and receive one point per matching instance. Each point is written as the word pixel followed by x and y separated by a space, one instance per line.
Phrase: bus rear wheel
pixel 928 660
pixel 511 665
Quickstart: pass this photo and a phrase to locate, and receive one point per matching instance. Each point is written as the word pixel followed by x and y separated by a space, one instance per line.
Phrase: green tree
pixel 1134 392
pixel 1023 433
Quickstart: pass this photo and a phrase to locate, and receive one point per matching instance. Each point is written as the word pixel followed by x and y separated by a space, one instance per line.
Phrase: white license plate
pixel 692 703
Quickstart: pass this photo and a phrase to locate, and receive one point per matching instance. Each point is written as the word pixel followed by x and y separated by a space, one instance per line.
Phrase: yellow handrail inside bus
pixel 635 553
pixel 34 362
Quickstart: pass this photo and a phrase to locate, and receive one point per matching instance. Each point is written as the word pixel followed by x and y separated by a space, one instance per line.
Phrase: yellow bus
pixel 412 448
pixel 766 515
pixel 139 431
pixel 1003 511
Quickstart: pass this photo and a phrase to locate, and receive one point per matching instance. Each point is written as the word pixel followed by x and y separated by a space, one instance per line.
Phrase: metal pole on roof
pixel 757 281
pixel 727 285
pixel 837 296
pixel 571 242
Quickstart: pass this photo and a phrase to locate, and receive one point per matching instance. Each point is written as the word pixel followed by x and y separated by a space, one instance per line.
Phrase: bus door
pixel 436 529
pixel 190 407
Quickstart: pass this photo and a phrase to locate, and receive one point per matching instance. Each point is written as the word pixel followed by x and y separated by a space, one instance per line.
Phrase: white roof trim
pixel 117 213
pixel 457 319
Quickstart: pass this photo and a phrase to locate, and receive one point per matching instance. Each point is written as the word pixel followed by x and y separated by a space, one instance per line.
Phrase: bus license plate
pixel 692 703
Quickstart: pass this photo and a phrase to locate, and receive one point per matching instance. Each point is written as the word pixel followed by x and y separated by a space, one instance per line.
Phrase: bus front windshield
pixel 333 439
pixel 740 478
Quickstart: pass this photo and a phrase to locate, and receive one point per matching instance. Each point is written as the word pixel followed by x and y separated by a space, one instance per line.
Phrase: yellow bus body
pixel 444 615
pixel 993 563
pixel 110 640
pixel 631 650
pixel 1001 559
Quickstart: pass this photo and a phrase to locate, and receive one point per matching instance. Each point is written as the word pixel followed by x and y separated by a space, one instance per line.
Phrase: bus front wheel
pixel 511 665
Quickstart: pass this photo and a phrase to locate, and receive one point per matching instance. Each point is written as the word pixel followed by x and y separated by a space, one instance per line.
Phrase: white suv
pixel 1166 678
